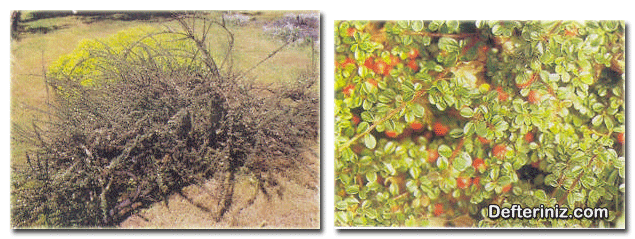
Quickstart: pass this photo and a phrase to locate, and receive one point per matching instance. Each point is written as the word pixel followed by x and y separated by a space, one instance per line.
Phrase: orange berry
pixel 499 150
pixel 348 90
pixel 478 164
pixel 476 181
pixel 380 67
pixel 416 126
pixel 534 97
pixel 394 60
pixel 529 137
pixel 433 155
pixel 620 138
pixel 463 182
pixel 506 188
pixel 373 82
pixel 391 134
pixel 413 53
pixel 483 140
pixel 370 63
pixel 350 31
pixel 438 209
pixel 484 48
pixel 355 119
pixel 502 95
pixel 440 129
pixel 347 62
pixel 413 65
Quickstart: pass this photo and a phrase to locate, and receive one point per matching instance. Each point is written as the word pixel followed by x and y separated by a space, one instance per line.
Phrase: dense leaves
pixel 492 98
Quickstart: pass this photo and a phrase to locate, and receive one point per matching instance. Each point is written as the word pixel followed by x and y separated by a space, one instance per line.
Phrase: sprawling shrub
pixel 436 120
pixel 151 112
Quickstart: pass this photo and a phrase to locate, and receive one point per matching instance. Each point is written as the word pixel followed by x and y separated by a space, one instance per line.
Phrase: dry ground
pixel 290 204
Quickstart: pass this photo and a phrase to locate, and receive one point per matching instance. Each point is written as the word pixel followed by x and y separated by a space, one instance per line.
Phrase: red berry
pixel 347 62
pixel 478 164
pixel 370 63
pixel 499 150
pixel 413 65
pixel 355 119
pixel 433 155
pixel 476 181
pixel 372 82
pixel 381 67
pixel 348 90
pixel 536 164
pixel 463 182
pixel 413 53
pixel 391 134
pixel 507 187
pixel 483 140
pixel 350 31
pixel 484 48
pixel 534 97
pixel 620 138
pixel 502 95
pixel 416 126
pixel 529 137
pixel 438 209
pixel 440 129
pixel 394 60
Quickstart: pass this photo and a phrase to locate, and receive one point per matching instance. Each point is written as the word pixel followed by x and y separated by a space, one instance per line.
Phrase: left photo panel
pixel 165 119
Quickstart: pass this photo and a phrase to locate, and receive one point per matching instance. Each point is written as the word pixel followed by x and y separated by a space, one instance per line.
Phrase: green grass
pixel 34 51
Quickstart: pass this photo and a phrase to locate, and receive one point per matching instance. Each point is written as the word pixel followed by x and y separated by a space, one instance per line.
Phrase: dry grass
pixel 297 207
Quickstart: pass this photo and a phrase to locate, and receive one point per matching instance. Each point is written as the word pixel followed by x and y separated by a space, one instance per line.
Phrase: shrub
pixel 159 115
pixel 514 112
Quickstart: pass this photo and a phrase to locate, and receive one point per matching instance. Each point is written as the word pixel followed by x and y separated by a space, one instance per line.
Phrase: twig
pixel 266 58
pixel 388 116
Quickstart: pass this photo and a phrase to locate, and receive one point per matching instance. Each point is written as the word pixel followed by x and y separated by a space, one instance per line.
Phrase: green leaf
pixel 448 44
pixel 369 141
pixel 352 189
pixel 597 120
pixel 468 129
pixel 445 151
pixel 418 110
pixel 467 112
pixel 481 128
pixel 417 25
pixel 456 133
pixel 462 162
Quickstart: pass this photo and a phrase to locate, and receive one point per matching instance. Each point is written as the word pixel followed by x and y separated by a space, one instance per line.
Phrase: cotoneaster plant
pixel 436 120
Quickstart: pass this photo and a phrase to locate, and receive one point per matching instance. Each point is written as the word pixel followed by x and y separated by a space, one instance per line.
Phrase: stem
pixel 437 34
pixel 266 58
pixel 575 183
pixel 388 116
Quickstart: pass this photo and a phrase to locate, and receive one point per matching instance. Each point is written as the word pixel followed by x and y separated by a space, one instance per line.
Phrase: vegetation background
pixel 339 10
pixel 257 46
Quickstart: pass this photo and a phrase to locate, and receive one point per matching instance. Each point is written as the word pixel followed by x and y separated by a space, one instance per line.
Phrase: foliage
pixel 86 66
pixel 435 120
pixel 159 115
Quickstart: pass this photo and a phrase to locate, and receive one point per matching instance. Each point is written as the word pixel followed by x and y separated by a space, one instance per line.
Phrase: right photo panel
pixel 480 124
